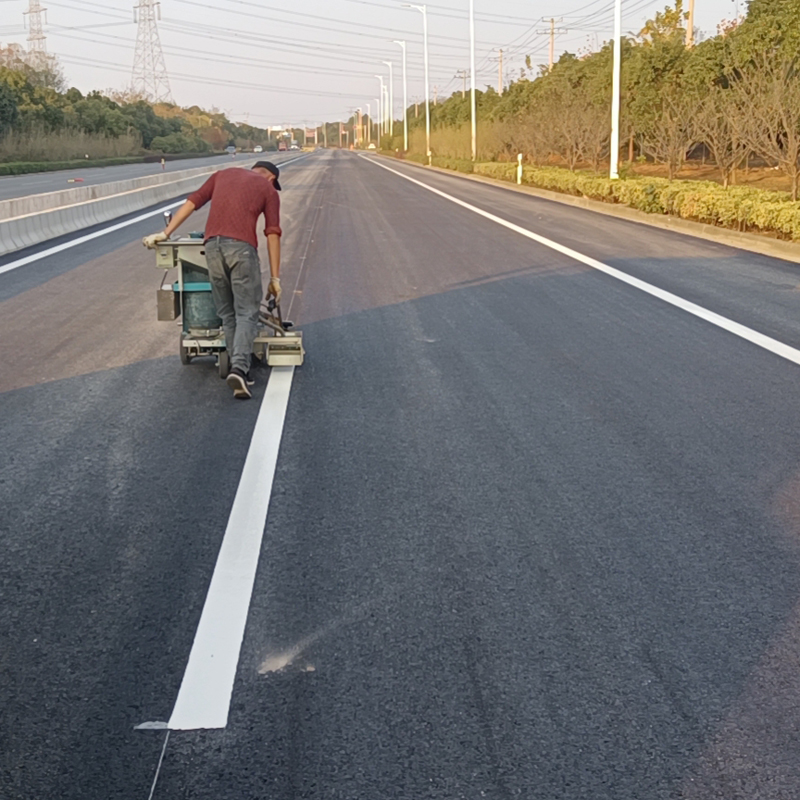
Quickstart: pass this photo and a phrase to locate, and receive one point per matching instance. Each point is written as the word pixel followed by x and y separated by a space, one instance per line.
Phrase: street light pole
pixel 424 10
pixel 391 98
pixel 615 100
pixel 368 126
pixel 405 96
pixel 472 79
pixel 690 25
pixel 381 115
pixel 377 122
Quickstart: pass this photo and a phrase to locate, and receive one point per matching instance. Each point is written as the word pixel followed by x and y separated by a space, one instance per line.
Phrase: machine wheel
pixel 224 363
pixel 185 357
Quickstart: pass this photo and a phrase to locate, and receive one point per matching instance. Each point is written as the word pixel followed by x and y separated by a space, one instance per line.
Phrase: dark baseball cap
pixel 270 167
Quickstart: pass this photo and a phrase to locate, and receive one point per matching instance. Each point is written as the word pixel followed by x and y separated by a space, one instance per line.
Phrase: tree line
pixel 35 104
pixel 734 97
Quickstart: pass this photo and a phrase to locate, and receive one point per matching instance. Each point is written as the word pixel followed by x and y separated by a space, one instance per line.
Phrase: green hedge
pixel 26 167
pixel 444 162
pixel 742 208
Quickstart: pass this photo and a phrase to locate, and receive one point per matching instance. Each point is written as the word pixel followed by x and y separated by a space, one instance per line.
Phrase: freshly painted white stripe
pixel 21 262
pixel 759 339
pixel 205 694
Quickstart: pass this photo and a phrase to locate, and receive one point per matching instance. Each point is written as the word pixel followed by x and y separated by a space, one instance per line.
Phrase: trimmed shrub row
pixel 444 162
pixel 742 208
pixel 26 167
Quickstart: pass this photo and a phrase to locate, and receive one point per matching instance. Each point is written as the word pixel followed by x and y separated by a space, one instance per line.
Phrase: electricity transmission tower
pixel 149 77
pixel 37 48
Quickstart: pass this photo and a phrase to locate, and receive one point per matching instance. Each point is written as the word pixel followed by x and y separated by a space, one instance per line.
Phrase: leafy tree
pixel 9 114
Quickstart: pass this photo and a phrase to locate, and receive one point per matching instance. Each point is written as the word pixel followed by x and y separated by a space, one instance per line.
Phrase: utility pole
pixel 149 77
pixel 500 75
pixel 435 95
pixel 37 46
pixel 462 73
pixel 615 99
pixel 377 122
pixel 553 31
pixel 690 25
pixel 368 126
pixel 473 108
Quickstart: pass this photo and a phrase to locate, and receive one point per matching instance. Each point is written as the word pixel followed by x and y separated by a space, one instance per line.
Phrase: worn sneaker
pixel 237 380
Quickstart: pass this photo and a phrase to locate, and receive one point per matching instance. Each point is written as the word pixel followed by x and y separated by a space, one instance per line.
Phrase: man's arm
pixel 181 215
pixel 274 252
pixel 196 200
pixel 272 229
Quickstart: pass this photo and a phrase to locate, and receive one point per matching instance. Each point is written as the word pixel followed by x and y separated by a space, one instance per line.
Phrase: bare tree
pixel 721 126
pixel 596 133
pixel 769 96
pixel 531 133
pixel 672 132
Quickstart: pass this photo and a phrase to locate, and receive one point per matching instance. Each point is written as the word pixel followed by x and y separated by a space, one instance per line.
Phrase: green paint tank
pixel 199 312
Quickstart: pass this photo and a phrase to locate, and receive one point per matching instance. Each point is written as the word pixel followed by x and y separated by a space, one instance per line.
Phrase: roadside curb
pixel 788 251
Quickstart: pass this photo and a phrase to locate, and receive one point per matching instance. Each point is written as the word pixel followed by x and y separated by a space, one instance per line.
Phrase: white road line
pixel 756 338
pixel 205 694
pixel 21 262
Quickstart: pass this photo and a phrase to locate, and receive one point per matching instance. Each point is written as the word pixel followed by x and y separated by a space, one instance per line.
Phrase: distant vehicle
pixel 294 147
pixel 371 146
pixel 230 149
pixel 258 149
pixel 282 146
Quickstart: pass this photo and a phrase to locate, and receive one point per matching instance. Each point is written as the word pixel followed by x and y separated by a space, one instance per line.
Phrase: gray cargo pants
pixel 235 274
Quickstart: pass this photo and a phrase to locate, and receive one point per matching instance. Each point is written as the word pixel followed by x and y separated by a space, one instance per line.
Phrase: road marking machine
pixel 186 293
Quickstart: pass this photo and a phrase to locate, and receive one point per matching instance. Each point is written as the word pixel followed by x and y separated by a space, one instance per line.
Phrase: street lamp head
pixel 411 5
pixel 398 41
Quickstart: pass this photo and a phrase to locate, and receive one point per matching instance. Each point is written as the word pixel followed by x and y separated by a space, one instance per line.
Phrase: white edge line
pixel 754 337
pixel 21 262
pixel 204 697
pixel 59 248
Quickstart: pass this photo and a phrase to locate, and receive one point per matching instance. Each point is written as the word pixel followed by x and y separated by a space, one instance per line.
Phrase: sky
pixel 280 63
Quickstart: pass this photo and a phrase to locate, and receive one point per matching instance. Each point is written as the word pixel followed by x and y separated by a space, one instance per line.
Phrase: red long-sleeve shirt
pixel 239 197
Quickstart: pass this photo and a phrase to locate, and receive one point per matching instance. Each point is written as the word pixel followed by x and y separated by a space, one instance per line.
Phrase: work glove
pixel 274 289
pixel 152 241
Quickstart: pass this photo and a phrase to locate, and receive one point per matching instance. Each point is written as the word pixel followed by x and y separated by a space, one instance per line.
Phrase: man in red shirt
pixel 238 198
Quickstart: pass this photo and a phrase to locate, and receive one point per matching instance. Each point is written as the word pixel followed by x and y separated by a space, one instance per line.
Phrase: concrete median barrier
pixel 27 221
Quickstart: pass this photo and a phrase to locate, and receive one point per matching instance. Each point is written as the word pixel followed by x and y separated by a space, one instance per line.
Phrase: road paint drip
pixel 204 698
pixel 742 331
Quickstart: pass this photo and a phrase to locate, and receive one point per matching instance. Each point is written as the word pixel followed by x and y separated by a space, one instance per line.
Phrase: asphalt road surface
pixel 533 533
pixel 41 182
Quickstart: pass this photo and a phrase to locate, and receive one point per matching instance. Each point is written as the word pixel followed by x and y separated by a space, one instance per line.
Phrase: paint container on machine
pixel 199 312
